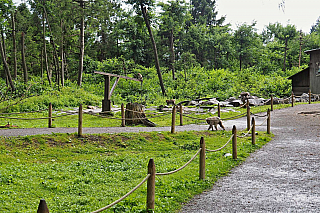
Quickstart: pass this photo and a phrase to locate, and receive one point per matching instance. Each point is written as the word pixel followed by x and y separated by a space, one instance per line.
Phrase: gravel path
pixel 240 124
pixel 283 176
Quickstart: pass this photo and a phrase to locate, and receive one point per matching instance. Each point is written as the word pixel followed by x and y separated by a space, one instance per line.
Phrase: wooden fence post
pixel 268 121
pixel 292 100
pixel 123 121
pixel 173 123
pixel 234 143
pixel 248 117
pixel 219 110
pixel 253 132
pixel 151 186
pixel 80 121
pixel 50 115
pixel 309 96
pixel 271 102
pixel 181 114
pixel 43 208
pixel 202 165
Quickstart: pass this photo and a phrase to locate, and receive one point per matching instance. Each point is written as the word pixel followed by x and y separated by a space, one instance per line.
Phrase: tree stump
pixel 134 115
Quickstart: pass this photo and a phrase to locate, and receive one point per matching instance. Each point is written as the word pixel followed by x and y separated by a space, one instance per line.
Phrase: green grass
pixel 84 174
pixel 114 121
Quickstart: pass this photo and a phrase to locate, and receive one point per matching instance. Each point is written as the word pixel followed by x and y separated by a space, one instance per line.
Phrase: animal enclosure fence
pixel 150 177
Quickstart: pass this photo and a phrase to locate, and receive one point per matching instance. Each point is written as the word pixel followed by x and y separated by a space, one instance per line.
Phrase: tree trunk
pixel 172 56
pixel 62 59
pixel 14 49
pixel 23 57
pixel 143 9
pixel 135 115
pixel 56 64
pixel 6 67
pixel 81 45
pixel 285 55
pixel 45 47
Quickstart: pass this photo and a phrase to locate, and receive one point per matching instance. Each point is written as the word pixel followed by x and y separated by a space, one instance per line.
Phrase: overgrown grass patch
pixel 84 174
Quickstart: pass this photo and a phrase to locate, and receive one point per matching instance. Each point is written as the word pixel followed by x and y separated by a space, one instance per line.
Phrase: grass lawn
pixel 84 174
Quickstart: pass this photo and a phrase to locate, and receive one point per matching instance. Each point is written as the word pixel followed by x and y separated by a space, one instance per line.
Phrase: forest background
pixel 183 51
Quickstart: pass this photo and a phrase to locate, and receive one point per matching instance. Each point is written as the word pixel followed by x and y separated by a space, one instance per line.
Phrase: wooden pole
pixel 292 100
pixel 309 96
pixel 268 121
pixel 80 121
pixel 248 118
pixel 151 186
pixel 43 208
pixel 271 102
pixel 123 121
pixel 202 165
pixel 50 115
pixel 253 132
pixel 234 143
pixel 219 110
pixel 106 102
pixel 173 123
pixel 181 114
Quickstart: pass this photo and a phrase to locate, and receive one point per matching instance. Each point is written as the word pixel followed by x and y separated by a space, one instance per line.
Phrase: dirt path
pixel 283 176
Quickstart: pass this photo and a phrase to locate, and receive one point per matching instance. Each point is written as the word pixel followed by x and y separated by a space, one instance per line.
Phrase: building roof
pixel 301 72
pixel 309 51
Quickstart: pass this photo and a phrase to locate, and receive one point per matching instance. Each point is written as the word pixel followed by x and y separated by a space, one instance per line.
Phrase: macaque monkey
pixel 214 121
pixel 171 101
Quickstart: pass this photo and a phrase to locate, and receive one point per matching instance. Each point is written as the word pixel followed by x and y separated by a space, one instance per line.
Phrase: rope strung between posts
pixel 182 167
pixel 261 116
pixel 246 134
pixel 230 118
pixel 222 146
pixel 58 116
pixel 263 121
pixel 126 195
pixel 200 119
pixel 150 113
pixel 127 119
pixel 17 113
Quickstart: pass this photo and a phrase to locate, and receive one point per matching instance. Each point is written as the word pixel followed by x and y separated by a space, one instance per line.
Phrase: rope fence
pixel 182 167
pixel 126 195
pixel 222 146
pixel 151 166
pixel 123 118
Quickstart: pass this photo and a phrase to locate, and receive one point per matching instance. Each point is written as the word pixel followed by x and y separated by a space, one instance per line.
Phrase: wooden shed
pixel 308 78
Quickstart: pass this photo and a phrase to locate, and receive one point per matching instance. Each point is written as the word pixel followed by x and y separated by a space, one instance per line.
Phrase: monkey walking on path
pixel 214 121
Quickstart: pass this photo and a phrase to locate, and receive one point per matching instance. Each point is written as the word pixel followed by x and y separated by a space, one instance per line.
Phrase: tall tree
pixel 6 7
pixel 204 12
pixel 246 40
pixel 23 57
pixel 14 45
pixel 173 19
pixel 142 6
pixel 316 27
pixel 282 34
